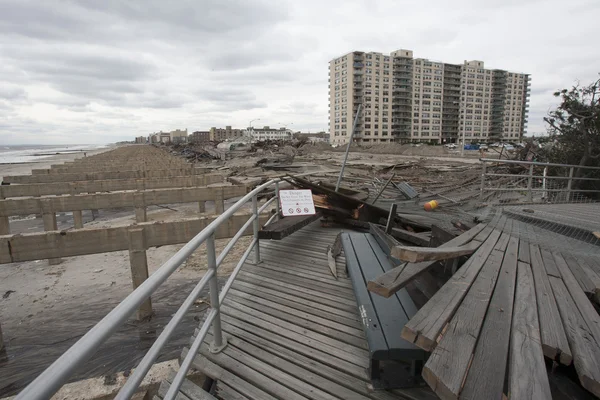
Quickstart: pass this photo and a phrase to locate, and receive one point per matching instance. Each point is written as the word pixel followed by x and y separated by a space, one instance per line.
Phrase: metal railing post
pixel 256 227
pixel 570 183
pixel 530 184
pixel 277 197
pixel 219 342
pixel 483 171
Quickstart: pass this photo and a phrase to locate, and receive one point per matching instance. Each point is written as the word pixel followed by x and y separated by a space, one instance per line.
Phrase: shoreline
pixel 25 168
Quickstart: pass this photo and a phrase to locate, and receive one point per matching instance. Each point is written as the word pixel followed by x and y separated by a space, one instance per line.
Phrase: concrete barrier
pixel 52 178
pixel 112 185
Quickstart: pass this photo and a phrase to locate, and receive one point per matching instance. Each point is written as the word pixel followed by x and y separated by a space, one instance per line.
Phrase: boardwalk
pixel 293 330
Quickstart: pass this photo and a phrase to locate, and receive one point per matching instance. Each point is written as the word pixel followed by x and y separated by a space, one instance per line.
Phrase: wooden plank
pixel 586 354
pixel 286 226
pixel 524 255
pixel 439 236
pixel 576 267
pixel 225 391
pixel 189 389
pixel 554 339
pixel 299 290
pixel 314 276
pixel 317 270
pixel 218 373
pixel 485 379
pixel 278 382
pixel 235 309
pixel 263 334
pixel 164 388
pixel 306 362
pixel 425 327
pixel 308 306
pixel 448 365
pixel 420 254
pixel 527 369
pixel 585 307
pixel 313 385
pixel 411 237
pixel 57 244
pixel 318 324
pixel 549 263
pixel 389 283
pixel 322 287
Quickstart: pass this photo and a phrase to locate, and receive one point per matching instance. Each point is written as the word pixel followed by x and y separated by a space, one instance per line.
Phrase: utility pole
pixel 337 185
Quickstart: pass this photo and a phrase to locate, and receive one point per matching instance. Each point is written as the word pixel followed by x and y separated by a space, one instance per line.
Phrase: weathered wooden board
pixel 586 353
pixel 448 365
pixel 554 339
pixel 425 327
pixel 527 370
pixel 389 283
pixel 486 376
pixel 420 254
pixel 286 226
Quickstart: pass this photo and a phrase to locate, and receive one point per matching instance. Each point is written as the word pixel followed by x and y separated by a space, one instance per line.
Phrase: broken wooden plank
pixel 420 239
pixel 448 364
pixel 286 226
pixel 332 253
pixel 583 275
pixel 420 254
pixel 425 327
pixel 486 376
pixel 439 236
pixel 394 280
pixel 554 339
pixel 586 353
pixel 585 307
pixel 527 377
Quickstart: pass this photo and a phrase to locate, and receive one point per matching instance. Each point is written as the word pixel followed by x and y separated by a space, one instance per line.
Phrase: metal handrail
pixel 53 377
pixel 541 164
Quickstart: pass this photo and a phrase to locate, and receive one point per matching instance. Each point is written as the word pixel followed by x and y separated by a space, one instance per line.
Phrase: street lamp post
pixel 251 121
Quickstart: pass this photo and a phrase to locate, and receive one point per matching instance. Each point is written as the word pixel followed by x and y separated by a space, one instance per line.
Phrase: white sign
pixel 296 202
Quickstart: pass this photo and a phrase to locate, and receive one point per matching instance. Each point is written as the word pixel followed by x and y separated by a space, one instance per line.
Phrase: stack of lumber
pixel 510 305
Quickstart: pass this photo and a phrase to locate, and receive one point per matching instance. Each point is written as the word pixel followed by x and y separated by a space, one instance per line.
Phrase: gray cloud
pixel 97 71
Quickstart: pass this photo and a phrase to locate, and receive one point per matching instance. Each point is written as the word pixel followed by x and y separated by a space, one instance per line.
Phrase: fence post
pixel 530 184
pixel 219 201
pixel 77 219
pixel 140 207
pixel 49 218
pixel 202 207
pixel 256 226
pixel 483 171
pixel 1 339
pixel 219 342
pixel 570 183
pixel 4 226
pixel 138 263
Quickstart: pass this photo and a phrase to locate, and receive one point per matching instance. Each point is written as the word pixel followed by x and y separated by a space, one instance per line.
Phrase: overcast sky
pixel 103 71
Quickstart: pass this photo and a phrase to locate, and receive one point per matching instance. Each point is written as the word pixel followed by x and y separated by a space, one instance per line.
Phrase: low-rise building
pixel 140 140
pixel 199 137
pixel 267 133
pixel 178 136
pixel 227 133
pixel 312 137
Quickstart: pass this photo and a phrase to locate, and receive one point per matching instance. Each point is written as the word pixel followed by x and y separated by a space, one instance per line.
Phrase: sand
pixel 44 309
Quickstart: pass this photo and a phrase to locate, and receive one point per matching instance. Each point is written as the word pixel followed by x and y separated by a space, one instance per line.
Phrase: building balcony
pixel 358 65
pixel 358 72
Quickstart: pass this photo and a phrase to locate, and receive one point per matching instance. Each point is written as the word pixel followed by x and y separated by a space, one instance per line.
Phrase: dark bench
pixel 395 362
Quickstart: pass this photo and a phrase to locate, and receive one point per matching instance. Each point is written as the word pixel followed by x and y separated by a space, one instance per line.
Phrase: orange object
pixel 430 205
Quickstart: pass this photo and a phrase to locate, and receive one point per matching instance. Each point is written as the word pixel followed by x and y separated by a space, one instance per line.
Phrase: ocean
pixel 19 154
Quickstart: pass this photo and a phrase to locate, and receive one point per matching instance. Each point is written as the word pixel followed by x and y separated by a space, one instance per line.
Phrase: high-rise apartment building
pixel 406 99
